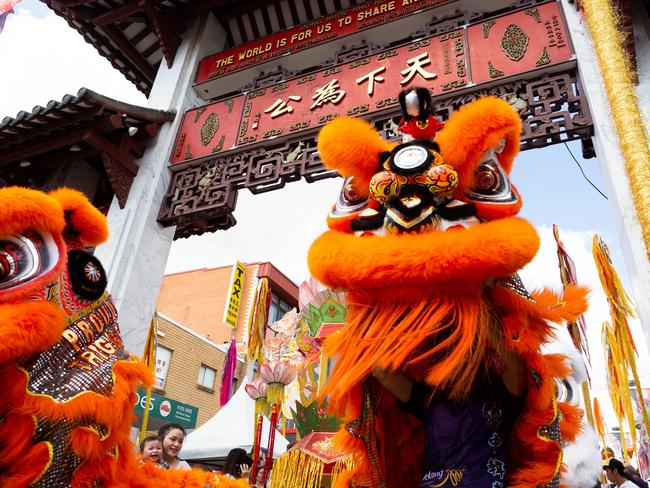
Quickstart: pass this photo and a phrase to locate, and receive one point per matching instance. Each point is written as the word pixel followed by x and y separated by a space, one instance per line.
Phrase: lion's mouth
pixel 414 213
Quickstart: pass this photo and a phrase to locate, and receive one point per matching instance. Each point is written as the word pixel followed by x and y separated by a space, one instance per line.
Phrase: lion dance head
pixel 68 384
pixel 425 240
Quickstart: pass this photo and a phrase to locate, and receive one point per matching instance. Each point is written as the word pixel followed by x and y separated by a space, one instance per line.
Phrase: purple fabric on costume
pixel 466 443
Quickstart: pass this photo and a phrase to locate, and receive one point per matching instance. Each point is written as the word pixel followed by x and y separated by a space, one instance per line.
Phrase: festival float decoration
pixel 257 390
pixel 277 373
pixel 314 460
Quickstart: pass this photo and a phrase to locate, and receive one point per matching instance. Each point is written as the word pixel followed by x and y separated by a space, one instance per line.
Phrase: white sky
pixel 42 58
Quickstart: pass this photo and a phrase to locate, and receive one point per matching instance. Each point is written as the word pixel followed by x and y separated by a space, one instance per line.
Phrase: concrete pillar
pixel 136 253
pixel 610 156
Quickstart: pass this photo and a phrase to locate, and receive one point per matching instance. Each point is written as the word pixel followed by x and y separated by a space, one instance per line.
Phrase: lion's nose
pixel 411 201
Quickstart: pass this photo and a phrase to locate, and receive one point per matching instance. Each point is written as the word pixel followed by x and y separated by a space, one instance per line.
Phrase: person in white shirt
pixel 615 472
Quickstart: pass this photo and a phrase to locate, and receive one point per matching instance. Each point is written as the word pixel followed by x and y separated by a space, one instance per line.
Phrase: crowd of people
pixel 163 450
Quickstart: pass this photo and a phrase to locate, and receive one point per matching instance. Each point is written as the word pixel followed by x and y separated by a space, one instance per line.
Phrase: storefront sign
pixel 510 45
pixel 166 409
pixel 163 358
pixel 351 20
pixel 233 300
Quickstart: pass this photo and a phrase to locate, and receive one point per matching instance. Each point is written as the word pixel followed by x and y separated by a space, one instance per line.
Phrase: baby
pixel 151 450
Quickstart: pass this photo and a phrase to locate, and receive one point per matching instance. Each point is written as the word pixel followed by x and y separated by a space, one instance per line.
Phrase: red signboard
pixel 208 129
pixel 365 85
pixel 349 21
pixel 498 48
pixel 519 42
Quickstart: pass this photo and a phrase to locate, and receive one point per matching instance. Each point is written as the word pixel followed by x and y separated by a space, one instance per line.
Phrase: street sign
pixel 166 409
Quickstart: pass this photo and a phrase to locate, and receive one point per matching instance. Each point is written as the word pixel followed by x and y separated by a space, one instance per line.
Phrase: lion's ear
pixel 353 148
pixel 82 218
pixel 476 128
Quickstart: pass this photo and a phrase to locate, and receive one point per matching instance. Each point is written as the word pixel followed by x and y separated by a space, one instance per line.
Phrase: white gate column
pixel 610 156
pixel 136 253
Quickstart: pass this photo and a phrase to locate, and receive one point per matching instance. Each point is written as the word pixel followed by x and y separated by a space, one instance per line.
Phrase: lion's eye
pixel 350 193
pixel 487 178
pixel 24 257
pixel 491 184
pixel 564 391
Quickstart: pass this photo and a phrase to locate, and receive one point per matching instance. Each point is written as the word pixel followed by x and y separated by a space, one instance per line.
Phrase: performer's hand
pixel 245 470
pixel 398 384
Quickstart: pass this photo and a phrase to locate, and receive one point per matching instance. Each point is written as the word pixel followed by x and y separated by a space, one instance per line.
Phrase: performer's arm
pixel 398 384
pixel 514 372
pixel 412 395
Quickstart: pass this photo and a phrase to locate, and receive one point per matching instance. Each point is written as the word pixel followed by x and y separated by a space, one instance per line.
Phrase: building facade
pixel 193 340
pixel 189 369
pixel 198 298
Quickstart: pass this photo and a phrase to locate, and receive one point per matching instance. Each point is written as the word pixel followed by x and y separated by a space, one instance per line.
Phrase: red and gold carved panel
pixel 522 41
pixel 208 130
pixel 365 85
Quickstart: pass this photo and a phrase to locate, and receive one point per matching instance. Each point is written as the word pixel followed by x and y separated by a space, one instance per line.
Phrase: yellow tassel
pixel 620 343
pixel 257 322
pixel 298 469
pixel 623 443
pixel 261 407
pixel 275 393
pixel 617 76
pixel 600 424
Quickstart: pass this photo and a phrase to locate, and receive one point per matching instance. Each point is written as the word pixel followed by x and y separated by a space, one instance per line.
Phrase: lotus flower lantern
pixel 256 389
pixel 277 373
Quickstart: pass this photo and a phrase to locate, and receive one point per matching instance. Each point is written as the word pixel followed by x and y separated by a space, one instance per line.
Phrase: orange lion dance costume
pixel 68 385
pixel 425 241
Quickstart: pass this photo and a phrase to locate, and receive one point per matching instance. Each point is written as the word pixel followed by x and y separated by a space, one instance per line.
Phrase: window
pixel 206 377
pixel 278 308
pixel 163 358
pixel 234 385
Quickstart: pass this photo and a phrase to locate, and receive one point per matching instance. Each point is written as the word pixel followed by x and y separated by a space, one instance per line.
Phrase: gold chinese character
pixel 328 93
pixel 415 67
pixel 280 107
pixel 372 78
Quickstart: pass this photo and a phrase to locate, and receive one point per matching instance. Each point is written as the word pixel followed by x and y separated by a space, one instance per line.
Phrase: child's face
pixel 152 450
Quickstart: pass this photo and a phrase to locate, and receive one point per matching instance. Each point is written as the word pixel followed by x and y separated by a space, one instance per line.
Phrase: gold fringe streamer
pixel 600 424
pixel 614 63
pixel 149 359
pixel 257 322
pixel 619 387
pixel 621 349
pixel 275 393
pixel 261 407
pixel 299 469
